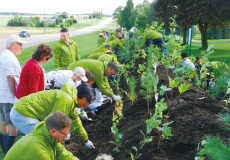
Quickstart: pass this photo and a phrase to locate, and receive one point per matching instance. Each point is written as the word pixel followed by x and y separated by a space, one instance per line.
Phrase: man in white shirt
pixel 10 70
pixel 132 31
pixel 187 61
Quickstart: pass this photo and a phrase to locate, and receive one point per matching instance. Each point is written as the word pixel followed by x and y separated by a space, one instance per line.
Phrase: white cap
pixel 79 71
pixel 100 34
pixel 12 39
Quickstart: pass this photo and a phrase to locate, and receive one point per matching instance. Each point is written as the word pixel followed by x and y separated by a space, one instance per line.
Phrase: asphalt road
pixel 44 38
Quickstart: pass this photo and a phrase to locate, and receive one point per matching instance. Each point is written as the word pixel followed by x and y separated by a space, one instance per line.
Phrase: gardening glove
pixel 47 85
pixel 67 138
pixel 116 97
pixel 89 145
pixel 84 116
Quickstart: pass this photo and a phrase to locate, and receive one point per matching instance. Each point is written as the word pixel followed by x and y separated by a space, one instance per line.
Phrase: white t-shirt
pixel 133 29
pixel 9 65
pixel 60 77
pixel 189 62
pixel 75 84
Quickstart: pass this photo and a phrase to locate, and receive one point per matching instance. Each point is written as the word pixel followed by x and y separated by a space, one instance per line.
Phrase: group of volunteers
pixel 29 103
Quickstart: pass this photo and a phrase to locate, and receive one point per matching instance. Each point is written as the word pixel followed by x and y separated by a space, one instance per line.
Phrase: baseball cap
pixel 80 72
pixel 100 34
pixel 14 38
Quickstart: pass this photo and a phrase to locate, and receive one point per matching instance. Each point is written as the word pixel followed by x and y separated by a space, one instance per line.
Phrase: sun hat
pixel 79 71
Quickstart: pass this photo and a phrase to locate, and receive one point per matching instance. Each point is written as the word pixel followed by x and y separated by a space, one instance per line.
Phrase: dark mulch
pixel 193 118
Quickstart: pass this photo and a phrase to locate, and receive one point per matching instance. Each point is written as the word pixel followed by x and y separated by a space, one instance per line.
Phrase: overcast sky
pixel 71 6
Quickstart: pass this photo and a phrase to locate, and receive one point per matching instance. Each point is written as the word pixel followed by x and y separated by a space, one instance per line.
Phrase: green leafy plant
pixel 147 139
pixel 184 87
pixel 117 116
pixel 141 68
pixel 132 94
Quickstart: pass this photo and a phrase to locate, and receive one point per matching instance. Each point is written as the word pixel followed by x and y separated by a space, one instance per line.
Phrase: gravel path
pixel 44 38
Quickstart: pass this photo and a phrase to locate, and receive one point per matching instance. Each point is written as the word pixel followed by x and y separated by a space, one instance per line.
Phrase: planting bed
pixel 193 113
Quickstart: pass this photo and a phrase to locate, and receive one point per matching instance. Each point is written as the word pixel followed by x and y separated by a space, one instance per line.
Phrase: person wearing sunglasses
pixel 44 142
pixel 32 78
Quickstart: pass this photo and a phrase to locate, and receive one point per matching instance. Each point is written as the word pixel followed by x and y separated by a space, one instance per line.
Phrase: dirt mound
pixel 193 113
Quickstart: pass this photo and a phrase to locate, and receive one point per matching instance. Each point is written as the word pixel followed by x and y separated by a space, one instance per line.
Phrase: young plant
pixel 184 87
pixel 141 68
pixel 117 116
pixel 132 94
pixel 147 139
pixel 147 83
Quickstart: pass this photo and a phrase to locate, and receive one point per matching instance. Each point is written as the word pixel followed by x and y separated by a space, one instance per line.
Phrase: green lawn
pixel 86 44
pixel 221 50
pixel 5 30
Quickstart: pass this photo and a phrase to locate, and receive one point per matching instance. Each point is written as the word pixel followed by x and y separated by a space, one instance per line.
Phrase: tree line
pixel 203 13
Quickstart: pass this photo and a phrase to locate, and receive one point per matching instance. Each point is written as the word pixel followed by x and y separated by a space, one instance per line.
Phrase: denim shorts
pixel 5 109
pixel 24 124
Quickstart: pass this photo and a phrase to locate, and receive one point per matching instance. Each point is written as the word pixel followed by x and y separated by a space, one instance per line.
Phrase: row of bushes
pixel 36 22
pixel 223 33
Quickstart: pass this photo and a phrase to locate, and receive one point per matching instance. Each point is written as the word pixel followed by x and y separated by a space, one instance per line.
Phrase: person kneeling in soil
pixel 67 76
pixel 100 70
pixel 43 143
pixel 31 109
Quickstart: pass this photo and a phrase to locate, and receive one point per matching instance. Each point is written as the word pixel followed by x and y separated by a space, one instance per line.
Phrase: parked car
pixel 24 34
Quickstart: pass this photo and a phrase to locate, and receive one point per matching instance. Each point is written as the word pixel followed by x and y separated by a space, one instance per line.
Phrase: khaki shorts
pixel 5 109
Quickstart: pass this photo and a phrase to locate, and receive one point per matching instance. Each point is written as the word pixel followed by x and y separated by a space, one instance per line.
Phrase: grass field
pixel 5 30
pixel 86 44
pixel 221 50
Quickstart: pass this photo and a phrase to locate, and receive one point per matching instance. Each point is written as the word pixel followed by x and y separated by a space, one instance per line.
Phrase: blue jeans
pixel 24 124
pixel 158 42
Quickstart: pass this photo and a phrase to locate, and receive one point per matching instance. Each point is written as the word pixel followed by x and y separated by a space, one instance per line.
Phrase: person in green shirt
pixel 101 39
pixel 65 51
pixel 152 37
pixel 100 71
pixel 115 35
pixel 44 142
pixel 32 109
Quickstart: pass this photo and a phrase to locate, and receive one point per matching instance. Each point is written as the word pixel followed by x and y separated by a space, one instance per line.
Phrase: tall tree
pixel 117 15
pixel 126 14
pixel 194 12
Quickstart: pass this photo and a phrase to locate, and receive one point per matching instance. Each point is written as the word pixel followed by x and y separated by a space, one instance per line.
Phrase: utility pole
pixel 44 21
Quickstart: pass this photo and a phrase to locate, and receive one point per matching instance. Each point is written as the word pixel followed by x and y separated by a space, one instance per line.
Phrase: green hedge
pixel 223 33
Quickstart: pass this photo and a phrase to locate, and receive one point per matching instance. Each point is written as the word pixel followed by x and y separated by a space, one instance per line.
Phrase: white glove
pixel 116 97
pixel 84 116
pixel 89 145
pixel 67 138
pixel 47 85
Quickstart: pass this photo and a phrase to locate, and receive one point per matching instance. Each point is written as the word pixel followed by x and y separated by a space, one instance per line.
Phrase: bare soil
pixel 193 118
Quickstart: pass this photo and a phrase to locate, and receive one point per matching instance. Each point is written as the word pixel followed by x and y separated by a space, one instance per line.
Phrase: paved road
pixel 44 38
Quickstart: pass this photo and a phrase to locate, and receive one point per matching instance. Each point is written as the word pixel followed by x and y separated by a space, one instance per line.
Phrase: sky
pixel 70 6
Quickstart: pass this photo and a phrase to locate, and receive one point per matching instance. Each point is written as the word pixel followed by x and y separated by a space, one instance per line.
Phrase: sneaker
pixel 93 111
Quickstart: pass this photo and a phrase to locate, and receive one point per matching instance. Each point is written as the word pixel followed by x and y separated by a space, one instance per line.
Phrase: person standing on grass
pixel 33 77
pixel 34 108
pixel 10 70
pixel 65 51
pixel 44 142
